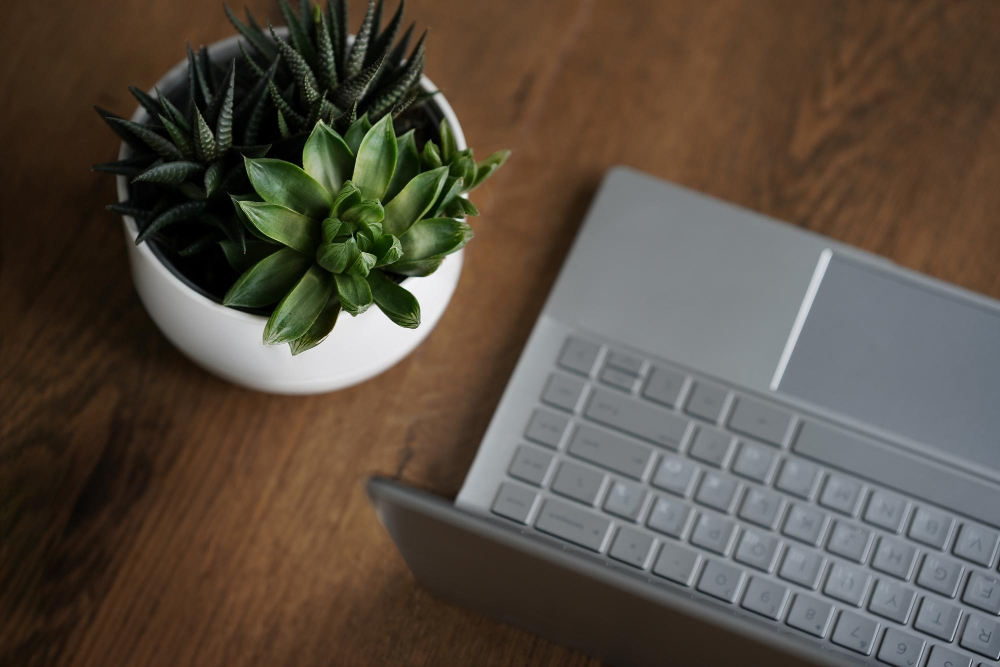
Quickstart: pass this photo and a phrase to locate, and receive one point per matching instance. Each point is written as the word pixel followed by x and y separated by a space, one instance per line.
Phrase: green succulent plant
pixel 185 163
pixel 322 74
pixel 464 173
pixel 330 235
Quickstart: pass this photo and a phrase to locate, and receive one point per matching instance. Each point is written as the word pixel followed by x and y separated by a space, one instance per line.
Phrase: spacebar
pixel 901 471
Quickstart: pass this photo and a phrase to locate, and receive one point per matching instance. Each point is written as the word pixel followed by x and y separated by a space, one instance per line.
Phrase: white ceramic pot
pixel 228 342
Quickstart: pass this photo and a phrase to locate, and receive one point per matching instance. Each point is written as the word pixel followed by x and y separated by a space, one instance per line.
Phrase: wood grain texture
pixel 151 514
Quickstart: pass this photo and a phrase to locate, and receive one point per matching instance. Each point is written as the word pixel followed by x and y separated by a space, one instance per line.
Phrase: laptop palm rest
pixel 512 576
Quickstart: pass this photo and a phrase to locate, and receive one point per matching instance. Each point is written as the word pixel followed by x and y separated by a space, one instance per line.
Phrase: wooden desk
pixel 151 514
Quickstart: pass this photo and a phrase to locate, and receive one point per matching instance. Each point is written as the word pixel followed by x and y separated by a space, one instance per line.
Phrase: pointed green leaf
pixel 179 213
pixel 320 328
pixel 336 257
pixel 297 32
pixel 448 148
pixel 296 312
pixel 365 211
pixel 241 260
pixel 326 58
pixel 283 128
pixel 204 140
pixel 269 279
pixel 487 167
pixel 131 166
pixel 283 225
pixel 434 237
pixel 172 111
pixel 252 35
pixel 357 86
pixel 286 184
pixel 362 265
pixel 170 173
pixel 331 227
pixel 356 133
pixel 396 302
pixel 147 102
pixel 297 62
pixel 452 188
pixel 407 166
pixel 327 158
pixel 178 136
pixel 431 156
pixel 348 196
pixel 354 292
pixel 213 176
pixel 468 208
pixel 356 58
pixel 163 147
pixel 224 125
pixel 376 160
pixel 414 201
pixel 236 199
pixel 418 269
pixel 387 250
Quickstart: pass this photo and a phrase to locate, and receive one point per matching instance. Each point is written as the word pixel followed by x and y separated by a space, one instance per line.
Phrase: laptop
pixel 732 441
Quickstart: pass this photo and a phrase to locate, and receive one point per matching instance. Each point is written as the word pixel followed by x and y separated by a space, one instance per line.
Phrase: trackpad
pixel 901 355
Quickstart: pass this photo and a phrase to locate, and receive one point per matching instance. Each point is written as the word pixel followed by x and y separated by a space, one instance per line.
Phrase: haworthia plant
pixel 323 74
pixel 339 226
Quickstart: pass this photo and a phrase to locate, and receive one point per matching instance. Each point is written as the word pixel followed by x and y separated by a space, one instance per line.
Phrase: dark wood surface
pixel 151 514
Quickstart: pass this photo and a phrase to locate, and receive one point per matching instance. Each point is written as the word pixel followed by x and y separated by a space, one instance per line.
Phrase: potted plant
pixel 279 177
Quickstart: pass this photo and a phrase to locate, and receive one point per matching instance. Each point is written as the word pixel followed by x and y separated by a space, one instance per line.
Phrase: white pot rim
pixel 131 229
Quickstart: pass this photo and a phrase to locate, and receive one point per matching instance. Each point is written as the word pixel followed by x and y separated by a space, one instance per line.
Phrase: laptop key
pixel 707 401
pixel 625 500
pixel 630 363
pixel 664 386
pixel 976 544
pixel 618 379
pixel 847 583
pixel 579 355
pixel 762 507
pixel 940 575
pixel 563 391
pixel 677 563
pixel 811 615
pixel 721 580
pixel 802 567
pixel 675 475
pixel 850 541
pixel 901 649
pixel 760 420
pixel 758 550
pixel 755 462
pixel 610 451
pixel 635 418
pixel 892 601
pixel 766 598
pixel 894 557
pixel 945 657
pixel 530 465
pixel 714 533
pixel 712 446
pixel 886 510
pixel 579 483
pixel 573 524
pixel 938 619
pixel 931 527
pixel 670 517
pixel 983 592
pixel 546 428
pixel 798 478
pixel 631 547
pixel 855 632
pixel 842 494
pixel 982 636
pixel 806 524
pixel 718 492
pixel 514 502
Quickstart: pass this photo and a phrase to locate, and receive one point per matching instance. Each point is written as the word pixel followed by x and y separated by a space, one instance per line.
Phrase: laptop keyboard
pixel 697 483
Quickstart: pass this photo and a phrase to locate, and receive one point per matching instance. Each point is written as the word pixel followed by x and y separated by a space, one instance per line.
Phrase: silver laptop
pixel 728 441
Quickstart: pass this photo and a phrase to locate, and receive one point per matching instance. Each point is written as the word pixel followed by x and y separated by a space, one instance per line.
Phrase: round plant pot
pixel 228 342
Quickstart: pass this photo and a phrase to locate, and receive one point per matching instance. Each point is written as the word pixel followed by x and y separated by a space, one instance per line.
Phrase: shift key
pixel 573 525
pixel 639 419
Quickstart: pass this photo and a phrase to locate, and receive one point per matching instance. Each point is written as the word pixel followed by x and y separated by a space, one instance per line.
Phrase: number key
pixel 675 475
pixel 765 598
pixel 855 632
pixel 945 657
pixel 901 649
pixel 810 615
